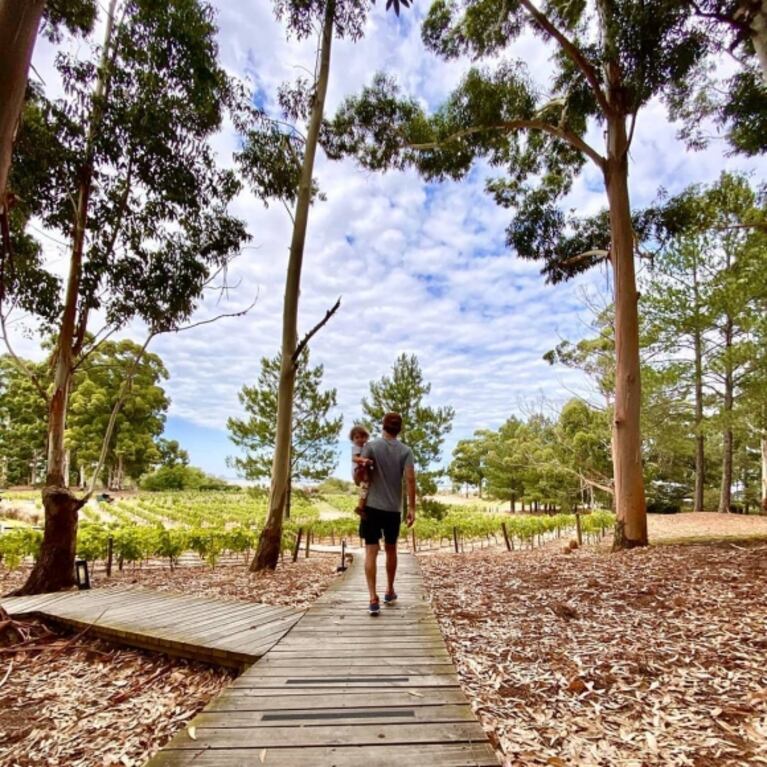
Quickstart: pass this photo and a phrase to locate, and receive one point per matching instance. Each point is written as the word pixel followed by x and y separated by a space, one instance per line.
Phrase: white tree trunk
pixel 759 37
pixel 270 540
pixel 764 471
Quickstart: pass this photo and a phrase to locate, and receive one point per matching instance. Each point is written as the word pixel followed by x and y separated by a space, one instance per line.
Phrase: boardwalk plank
pixel 431 755
pixel 342 689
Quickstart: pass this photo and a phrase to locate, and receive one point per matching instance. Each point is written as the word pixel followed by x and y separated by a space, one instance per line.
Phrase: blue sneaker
pixel 374 608
pixel 390 598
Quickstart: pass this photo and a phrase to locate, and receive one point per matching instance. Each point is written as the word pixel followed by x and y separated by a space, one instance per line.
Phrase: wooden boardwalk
pixel 225 632
pixel 343 689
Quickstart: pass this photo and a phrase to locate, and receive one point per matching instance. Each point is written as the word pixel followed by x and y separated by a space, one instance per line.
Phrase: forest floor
pixel 650 657
pixel 74 701
pixel 704 526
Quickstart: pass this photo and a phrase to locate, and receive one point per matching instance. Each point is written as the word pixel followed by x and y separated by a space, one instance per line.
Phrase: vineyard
pixel 212 525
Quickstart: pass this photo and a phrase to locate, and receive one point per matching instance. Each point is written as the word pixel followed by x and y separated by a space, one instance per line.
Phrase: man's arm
pixel 410 481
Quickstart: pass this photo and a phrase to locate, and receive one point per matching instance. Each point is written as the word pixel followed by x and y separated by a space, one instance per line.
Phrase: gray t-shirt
pixel 390 457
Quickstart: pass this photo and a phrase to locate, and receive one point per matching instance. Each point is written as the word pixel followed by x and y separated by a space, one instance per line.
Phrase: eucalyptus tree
pixel 121 166
pixel 98 384
pixel 292 181
pixel 469 461
pixel 733 98
pixel 314 430
pixel 610 59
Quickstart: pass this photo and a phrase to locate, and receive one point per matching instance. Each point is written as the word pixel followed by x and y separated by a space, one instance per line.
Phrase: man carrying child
pixel 388 460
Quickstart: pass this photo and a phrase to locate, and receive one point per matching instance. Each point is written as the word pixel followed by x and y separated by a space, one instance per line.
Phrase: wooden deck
pixel 344 689
pixel 225 632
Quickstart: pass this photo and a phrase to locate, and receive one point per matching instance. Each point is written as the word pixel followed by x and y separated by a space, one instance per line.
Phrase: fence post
pixel 297 547
pixel 415 548
pixel 455 539
pixel 578 528
pixel 110 553
pixel 506 536
pixel 308 542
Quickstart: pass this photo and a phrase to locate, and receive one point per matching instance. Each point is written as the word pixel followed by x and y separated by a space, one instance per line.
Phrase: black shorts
pixel 379 522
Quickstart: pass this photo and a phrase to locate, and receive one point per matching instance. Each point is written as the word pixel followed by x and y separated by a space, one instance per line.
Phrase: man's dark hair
pixel 392 424
pixel 357 429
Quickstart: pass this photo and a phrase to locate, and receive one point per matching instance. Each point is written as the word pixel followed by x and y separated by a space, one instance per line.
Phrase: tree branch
pixel 572 51
pixel 512 125
pixel 308 337
pixel 19 363
pixel 122 396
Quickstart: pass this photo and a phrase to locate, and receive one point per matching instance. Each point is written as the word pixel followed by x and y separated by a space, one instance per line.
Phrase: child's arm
pixel 358 459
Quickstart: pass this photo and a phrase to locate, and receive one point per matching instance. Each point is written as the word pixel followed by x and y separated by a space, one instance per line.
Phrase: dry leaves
pixel 648 657
pixel 81 702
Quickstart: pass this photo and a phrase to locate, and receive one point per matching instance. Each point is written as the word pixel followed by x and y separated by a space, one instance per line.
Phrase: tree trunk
pixel 764 471
pixel 268 552
pixel 700 440
pixel 759 37
pixel 19 23
pixel 54 569
pixel 67 457
pixel 725 493
pixel 631 511
pixel 33 469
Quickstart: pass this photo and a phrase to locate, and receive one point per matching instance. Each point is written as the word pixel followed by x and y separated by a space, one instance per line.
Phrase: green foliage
pixel 99 383
pixel 334 485
pixel 314 432
pixel 468 466
pixel 423 427
pixel 180 477
pixel 17 544
pixel 23 415
pixel 157 217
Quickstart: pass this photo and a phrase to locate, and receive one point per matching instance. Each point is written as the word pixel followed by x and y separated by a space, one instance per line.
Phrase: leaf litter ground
pixel 650 657
pixel 76 701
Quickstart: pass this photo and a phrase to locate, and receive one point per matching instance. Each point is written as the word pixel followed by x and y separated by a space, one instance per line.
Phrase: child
pixel 361 467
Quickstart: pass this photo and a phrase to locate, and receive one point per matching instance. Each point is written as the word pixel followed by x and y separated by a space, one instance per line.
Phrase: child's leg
pixel 362 496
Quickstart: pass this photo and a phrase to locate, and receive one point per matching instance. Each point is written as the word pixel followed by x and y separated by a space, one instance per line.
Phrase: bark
pixel 67 459
pixel 54 569
pixel 268 552
pixel 725 493
pixel 19 23
pixel 759 37
pixel 630 508
pixel 33 469
pixel 120 472
pixel 764 471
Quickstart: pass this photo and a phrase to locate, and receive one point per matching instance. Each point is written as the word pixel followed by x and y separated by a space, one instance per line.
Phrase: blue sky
pixel 422 268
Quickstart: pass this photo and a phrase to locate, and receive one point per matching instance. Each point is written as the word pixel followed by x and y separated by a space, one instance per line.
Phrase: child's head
pixel 359 435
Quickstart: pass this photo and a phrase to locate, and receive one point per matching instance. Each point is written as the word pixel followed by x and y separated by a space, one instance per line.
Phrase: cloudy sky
pixel 421 268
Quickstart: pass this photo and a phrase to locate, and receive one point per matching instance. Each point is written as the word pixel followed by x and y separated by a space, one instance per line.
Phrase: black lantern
pixel 81 574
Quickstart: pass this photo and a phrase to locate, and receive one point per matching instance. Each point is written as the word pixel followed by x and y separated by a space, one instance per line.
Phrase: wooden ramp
pixel 344 689
pixel 225 632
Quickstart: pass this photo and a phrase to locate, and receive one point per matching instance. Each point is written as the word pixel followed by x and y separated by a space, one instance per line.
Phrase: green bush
pixel 432 509
pixel 17 544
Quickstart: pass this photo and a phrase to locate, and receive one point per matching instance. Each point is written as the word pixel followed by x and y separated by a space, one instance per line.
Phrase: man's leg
pixel 371 555
pixel 391 566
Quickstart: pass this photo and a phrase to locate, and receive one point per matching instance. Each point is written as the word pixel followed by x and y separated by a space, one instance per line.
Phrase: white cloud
pixel 422 268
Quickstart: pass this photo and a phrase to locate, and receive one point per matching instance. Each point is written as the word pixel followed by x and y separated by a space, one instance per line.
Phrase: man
pixel 382 516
